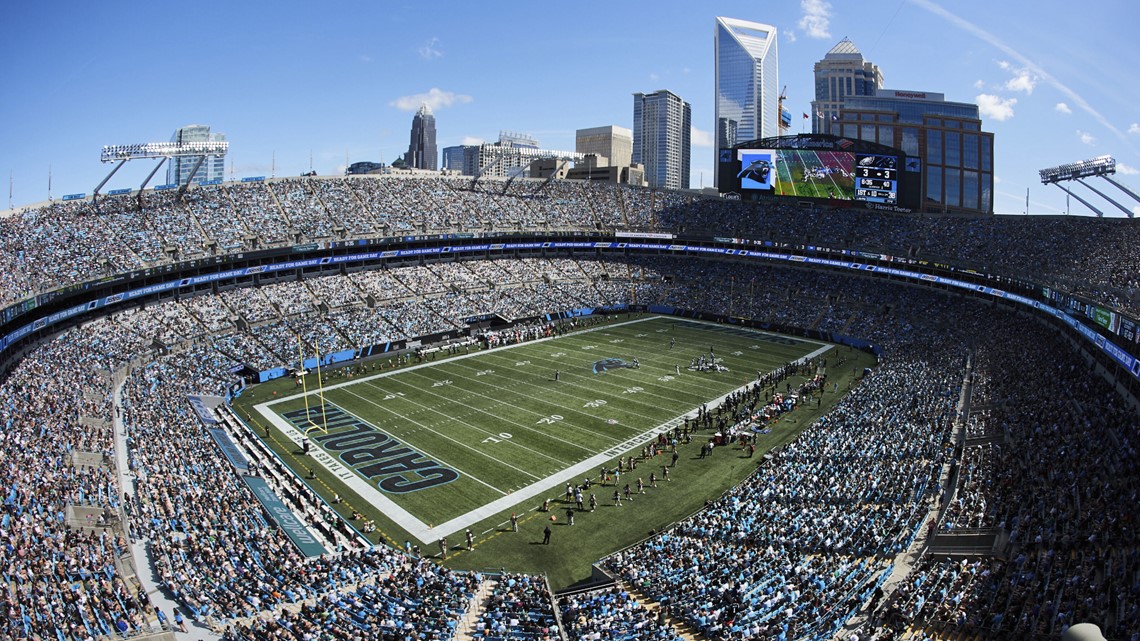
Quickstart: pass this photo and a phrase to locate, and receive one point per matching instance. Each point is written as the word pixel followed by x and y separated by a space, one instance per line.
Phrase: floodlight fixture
pixel 116 153
pixel 1099 166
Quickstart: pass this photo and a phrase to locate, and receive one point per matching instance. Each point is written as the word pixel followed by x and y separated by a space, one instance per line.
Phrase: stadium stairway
pixel 144 575
pixel 680 627
pixel 468 625
pixel 905 562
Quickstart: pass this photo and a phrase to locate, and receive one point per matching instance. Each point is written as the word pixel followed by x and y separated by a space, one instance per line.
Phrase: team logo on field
pixel 395 467
pixel 606 364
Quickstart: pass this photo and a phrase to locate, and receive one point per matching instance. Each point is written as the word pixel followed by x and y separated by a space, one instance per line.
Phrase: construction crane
pixel 785 122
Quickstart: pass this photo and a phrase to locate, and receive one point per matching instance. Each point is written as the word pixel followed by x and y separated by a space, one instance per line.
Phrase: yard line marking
pixel 480 429
pixel 561 408
pixel 444 436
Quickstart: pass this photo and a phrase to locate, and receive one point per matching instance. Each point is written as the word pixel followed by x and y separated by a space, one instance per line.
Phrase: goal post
pixel 313 426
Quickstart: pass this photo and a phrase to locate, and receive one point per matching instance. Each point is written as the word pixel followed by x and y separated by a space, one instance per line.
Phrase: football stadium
pixel 493 391
pixel 510 409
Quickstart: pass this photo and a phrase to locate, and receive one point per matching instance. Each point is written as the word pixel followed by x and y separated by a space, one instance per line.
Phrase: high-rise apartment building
pixel 662 132
pixel 843 72
pixel 422 152
pixel 178 168
pixel 747 86
pixel 613 143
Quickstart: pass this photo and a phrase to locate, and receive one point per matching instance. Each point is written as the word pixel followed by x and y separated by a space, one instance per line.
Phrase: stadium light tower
pixel 120 154
pixel 1101 166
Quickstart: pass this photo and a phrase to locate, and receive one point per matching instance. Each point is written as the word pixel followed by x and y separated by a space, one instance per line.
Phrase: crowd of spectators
pixel 64 243
pixel 518 607
pixel 612 614
pixel 1061 483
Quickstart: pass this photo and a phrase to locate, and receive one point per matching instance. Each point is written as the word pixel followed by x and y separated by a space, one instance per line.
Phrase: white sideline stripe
pixel 427 534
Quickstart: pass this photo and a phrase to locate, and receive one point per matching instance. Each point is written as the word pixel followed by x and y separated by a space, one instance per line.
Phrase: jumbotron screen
pixel 837 175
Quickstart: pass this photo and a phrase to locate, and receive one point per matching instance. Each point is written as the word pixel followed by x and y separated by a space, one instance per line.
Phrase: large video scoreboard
pixel 818 167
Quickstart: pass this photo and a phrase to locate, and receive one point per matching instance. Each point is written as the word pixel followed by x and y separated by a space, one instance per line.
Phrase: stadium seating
pixel 1051 461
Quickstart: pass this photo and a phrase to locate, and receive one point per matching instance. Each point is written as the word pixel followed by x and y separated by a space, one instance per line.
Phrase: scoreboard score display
pixel 876 179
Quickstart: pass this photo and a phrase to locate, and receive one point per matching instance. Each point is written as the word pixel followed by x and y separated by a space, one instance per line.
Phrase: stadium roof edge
pixel 819 141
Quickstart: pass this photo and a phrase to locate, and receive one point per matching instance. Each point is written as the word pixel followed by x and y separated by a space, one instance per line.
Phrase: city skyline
pixel 341 86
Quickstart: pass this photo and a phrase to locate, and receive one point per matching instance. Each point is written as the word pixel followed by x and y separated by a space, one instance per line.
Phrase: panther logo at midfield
pixel 600 367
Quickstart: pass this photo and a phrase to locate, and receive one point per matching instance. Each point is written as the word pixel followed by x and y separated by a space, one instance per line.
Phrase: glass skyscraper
pixel 422 152
pixel 178 169
pixel 662 133
pixel 843 72
pixel 746 83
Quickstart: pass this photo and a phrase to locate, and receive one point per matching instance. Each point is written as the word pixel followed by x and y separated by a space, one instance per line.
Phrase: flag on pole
pixel 807 117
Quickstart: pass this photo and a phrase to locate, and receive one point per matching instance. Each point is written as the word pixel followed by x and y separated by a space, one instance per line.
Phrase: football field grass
pixel 431 449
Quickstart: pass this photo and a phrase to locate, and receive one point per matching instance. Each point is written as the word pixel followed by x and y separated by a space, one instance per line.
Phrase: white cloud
pixel 653 76
pixel 995 107
pixel 699 137
pixel 1136 211
pixel 1127 170
pixel 997 179
pixel 434 98
pixel 471 140
pixel 1022 80
pixel 789 35
pixel 1085 137
pixel 979 84
pixel 1063 108
pixel 1134 128
pixel 365 57
pixel 816 21
pixel 430 50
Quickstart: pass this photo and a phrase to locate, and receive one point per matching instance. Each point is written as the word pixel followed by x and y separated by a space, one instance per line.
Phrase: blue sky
pixel 328 81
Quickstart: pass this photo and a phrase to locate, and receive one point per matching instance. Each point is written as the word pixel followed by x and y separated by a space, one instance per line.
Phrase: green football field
pixel 443 445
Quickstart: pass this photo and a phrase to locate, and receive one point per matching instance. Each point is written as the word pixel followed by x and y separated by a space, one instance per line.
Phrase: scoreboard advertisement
pixel 826 168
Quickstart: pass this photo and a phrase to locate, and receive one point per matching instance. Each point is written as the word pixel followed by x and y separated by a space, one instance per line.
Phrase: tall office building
pixel 746 83
pixel 422 152
pixel 662 132
pixel 613 143
pixel 947 151
pixel 178 169
pixel 842 72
